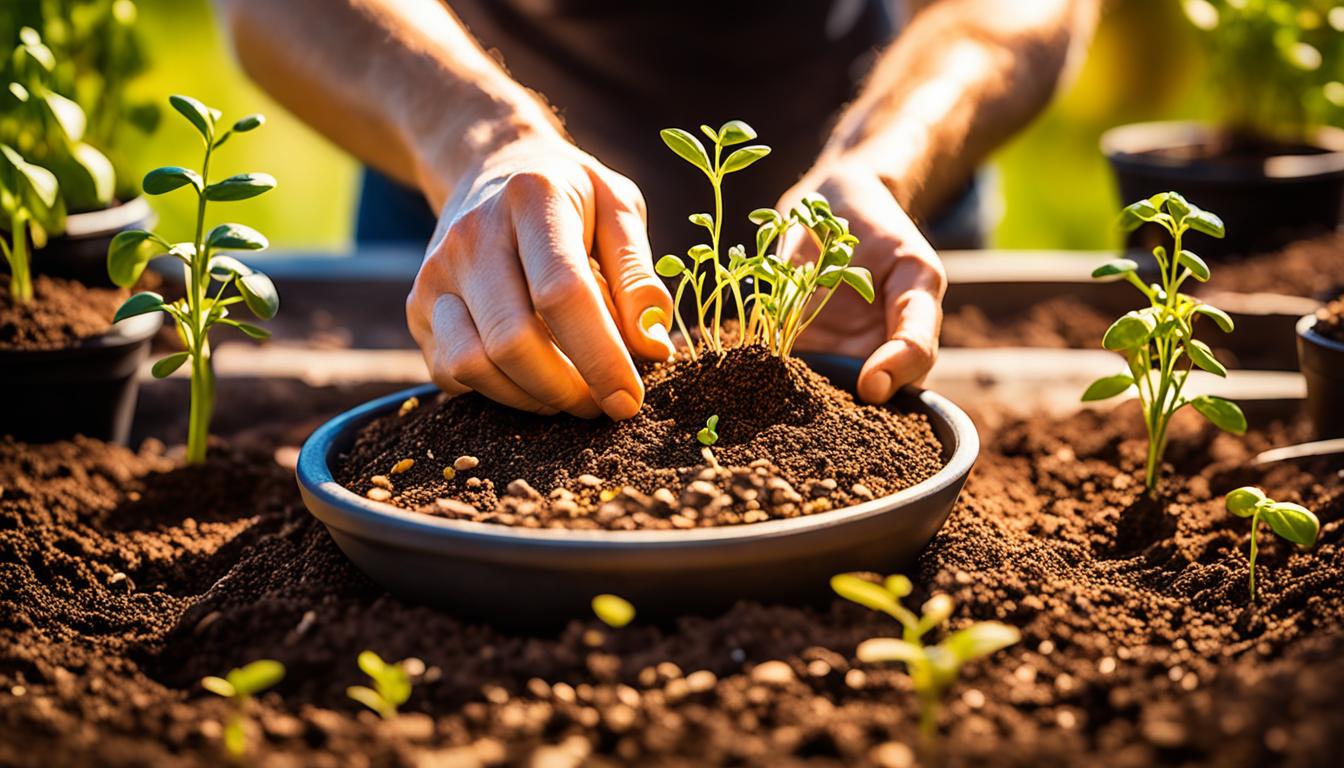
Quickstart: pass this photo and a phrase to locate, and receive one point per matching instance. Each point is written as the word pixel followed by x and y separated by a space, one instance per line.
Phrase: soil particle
pixel 781 428
pixel 1330 320
pixel 62 313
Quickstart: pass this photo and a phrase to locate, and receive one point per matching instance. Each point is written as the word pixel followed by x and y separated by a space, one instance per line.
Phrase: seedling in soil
pixel 708 434
pixel 1158 341
pixel 1293 522
pixel 614 611
pixel 776 316
pixel 208 272
pixel 932 668
pixel 239 686
pixel 391 685
pixel 28 198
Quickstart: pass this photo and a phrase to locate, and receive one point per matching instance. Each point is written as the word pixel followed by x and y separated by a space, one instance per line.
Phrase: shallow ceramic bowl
pixel 529 576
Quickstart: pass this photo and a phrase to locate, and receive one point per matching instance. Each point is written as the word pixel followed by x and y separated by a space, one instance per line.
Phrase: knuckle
pixel 556 289
pixel 526 187
pixel 507 340
pixel 466 364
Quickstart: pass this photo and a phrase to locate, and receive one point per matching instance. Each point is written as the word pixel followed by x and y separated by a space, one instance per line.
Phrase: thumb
pixel 914 315
pixel 643 305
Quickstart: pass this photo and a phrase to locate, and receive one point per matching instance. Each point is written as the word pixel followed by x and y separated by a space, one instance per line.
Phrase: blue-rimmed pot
pixel 1322 363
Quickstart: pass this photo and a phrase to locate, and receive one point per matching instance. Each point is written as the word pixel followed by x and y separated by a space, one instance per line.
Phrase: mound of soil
pixel 1330 320
pixel 789 444
pixel 61 313
pixel 1312 268
pixel 125 578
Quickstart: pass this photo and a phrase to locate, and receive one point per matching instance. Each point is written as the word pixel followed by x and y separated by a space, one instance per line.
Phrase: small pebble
pixel 701 681
pixel 893 754
pixel 381 481
pixel 860 490
pixel 464 463
pixel 592 481
pixel 379 494
pixel 773 672
pixel 456 508
pixel 522 489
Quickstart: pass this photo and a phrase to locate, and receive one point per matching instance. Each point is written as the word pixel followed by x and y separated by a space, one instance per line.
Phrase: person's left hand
pixel 898 332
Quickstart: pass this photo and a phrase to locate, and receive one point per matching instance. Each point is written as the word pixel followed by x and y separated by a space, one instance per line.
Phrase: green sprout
pixel 1158 341
pixel 932 668
pixel 391 685
pixel 28 202
pixel 780 314
pixel 204 264
pixel 1293 522
pixel 613 610
pixel 708 435
pixel 239 686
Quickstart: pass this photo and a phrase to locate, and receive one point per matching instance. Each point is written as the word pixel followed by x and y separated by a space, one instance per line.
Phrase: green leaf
pixel 1203 357
pixel 254 332
pixel 371 664
pixel 368 697
pixel 885 649
pixel 1195 264
pixel 899 586
pixel 1115 267
pixel 259 294
pixel 66 113
pixel 128 255
pixel 1221 318
pixel 1107 387
pixel 710 133
pixel 140 304
pixel 257 676
pixel 669 266
pixel 980 640
pixel 40 181
pixel 240 187
pixel 735 132
pixel 164 368
pixel 861 280
pixel 1224 413
pixel 712 422
pixel 1135 214
pixel 699 253
pixel 1206 222
pixel 763 215
pixel 249 123
pixel 935 611
pixel 98 172
pixel 236 237
pixel 857 589
pixel 703 220
pixel 200 116
pixel 218 686
pixel 1293 522
pixel 1176 205
pixel 168 178
pixel 687 147
pixel 1242 502
pixel 1130 331
pixel 744 157
pixel 613 610
pixel 226 267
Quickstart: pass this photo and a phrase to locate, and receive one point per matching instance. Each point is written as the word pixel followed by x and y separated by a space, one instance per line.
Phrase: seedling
pixel 28 202
pixel 614 611
pixel 1158 341
pixel 204 266
pixel 708 434
pixel 932 668
pixel 239 686
pixel 775 316
pixel 1293 522
pixel 391 685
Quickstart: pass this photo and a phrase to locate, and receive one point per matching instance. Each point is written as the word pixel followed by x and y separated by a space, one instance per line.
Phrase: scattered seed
pixel 592 481
pixel 860 490
pixel 408 405
pixel 701 681
pixel 773 673
pixel 381 481
pixel 464 463
pixel 402 466
pixel 379 494
pixel 608 494
pixel 449 473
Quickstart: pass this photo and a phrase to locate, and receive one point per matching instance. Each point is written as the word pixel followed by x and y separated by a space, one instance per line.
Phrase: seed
pixel 408 405
pixel 379 494
pixel 592 481
pixel 521 489
pixel 463 463
pixel 381 481
pixel 449 473
pixel 402 466
pixel 608 494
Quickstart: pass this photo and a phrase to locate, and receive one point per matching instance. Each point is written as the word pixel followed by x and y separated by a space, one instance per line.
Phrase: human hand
pixel 897 333
pixel 508 301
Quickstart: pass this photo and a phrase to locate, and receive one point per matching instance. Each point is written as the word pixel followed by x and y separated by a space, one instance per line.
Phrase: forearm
pixel 400 84
pixel 963 77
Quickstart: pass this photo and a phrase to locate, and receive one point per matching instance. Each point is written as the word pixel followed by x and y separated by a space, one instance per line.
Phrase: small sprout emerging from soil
pixel 1158 341
pixel 614 611
pixel 1293 522
pixel 391 685
pixel 708 435
pixel 932 668
pixel 204 265
pixel 239 686
pixel 775 316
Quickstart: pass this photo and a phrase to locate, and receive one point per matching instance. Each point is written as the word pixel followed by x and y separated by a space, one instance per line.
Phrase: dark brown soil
pixel 125 578
pixel 1330 320
pixel 62 313
pixel 1060 323
pixel 1312 268
pixel 789 444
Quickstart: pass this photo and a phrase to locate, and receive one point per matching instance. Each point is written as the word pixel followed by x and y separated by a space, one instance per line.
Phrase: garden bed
pixel 126 578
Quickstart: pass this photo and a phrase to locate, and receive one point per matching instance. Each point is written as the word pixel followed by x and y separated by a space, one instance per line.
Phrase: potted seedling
pixel 1158 341
pixel 67 85
pixel 239 686
pixel 1289 521
pixel 1271 163
pixel 1320 353
pixel 209 272
pixel 747 473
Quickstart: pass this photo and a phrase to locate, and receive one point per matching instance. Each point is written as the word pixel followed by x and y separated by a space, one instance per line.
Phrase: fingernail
pixel 659 334
pixel 619 405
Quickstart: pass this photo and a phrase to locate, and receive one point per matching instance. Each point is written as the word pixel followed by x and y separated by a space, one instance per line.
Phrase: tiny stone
pixel 117 578
pixel 455 507
pixel 464 463
pixel 381 481
pixel 474 482
pixel 974 698
pixel 1106 666
pixel 402 466
pixel 773 673
pixel 408 405
pixel 522 489
pixel 701 681
pixel 379 494
pixel 893 754
pixel 818 668
pixel 565 507
pixel 592 481
pixel 449 473
pixel 860 490
pixel 1066 719
pixel 856 679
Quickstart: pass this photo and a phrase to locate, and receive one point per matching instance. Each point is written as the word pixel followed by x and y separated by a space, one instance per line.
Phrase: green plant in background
pixel 614 610
pixel 391 685
pixel 1158 341
pixel 708 434
pixel 778 315
pixel 1278 63
pixel 239 686
pixel 204 305
pixel 1293 522
pixel 28 202
pixel 932 668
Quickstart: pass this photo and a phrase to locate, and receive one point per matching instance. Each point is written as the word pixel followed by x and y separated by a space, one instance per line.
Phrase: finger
pixel 914 317
pixel 551 246
pixel 459 360
pixel 643 305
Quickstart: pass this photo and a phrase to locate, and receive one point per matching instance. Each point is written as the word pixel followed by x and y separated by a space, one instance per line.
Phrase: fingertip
pixel 875 386
pixel 620 405
pixel 653 327
pixel 894 365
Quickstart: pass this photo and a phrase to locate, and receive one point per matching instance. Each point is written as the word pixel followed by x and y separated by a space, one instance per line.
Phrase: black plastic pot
pixel 88 389
pixel 1322 362
pixel 524 576
pixel 1268 198
pixel 80 253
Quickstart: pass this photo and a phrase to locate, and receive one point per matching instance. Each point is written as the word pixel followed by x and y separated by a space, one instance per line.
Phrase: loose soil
pixel 789 444
pixel 1330 320
pixel 125 577
pixel 61 314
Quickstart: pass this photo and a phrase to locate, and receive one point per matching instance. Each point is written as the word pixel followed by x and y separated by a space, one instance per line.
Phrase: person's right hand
pixel 508 302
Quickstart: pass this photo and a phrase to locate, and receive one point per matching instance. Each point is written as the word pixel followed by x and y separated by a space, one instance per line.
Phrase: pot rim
pixel 107 220
pixel 127 333
pixel 366 518
pixel 1131 145
pixel 1306 329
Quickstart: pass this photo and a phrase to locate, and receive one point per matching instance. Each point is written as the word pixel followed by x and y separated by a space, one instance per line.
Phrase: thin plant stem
pixel 202 370
pixel 1255 548
pixel 20 274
